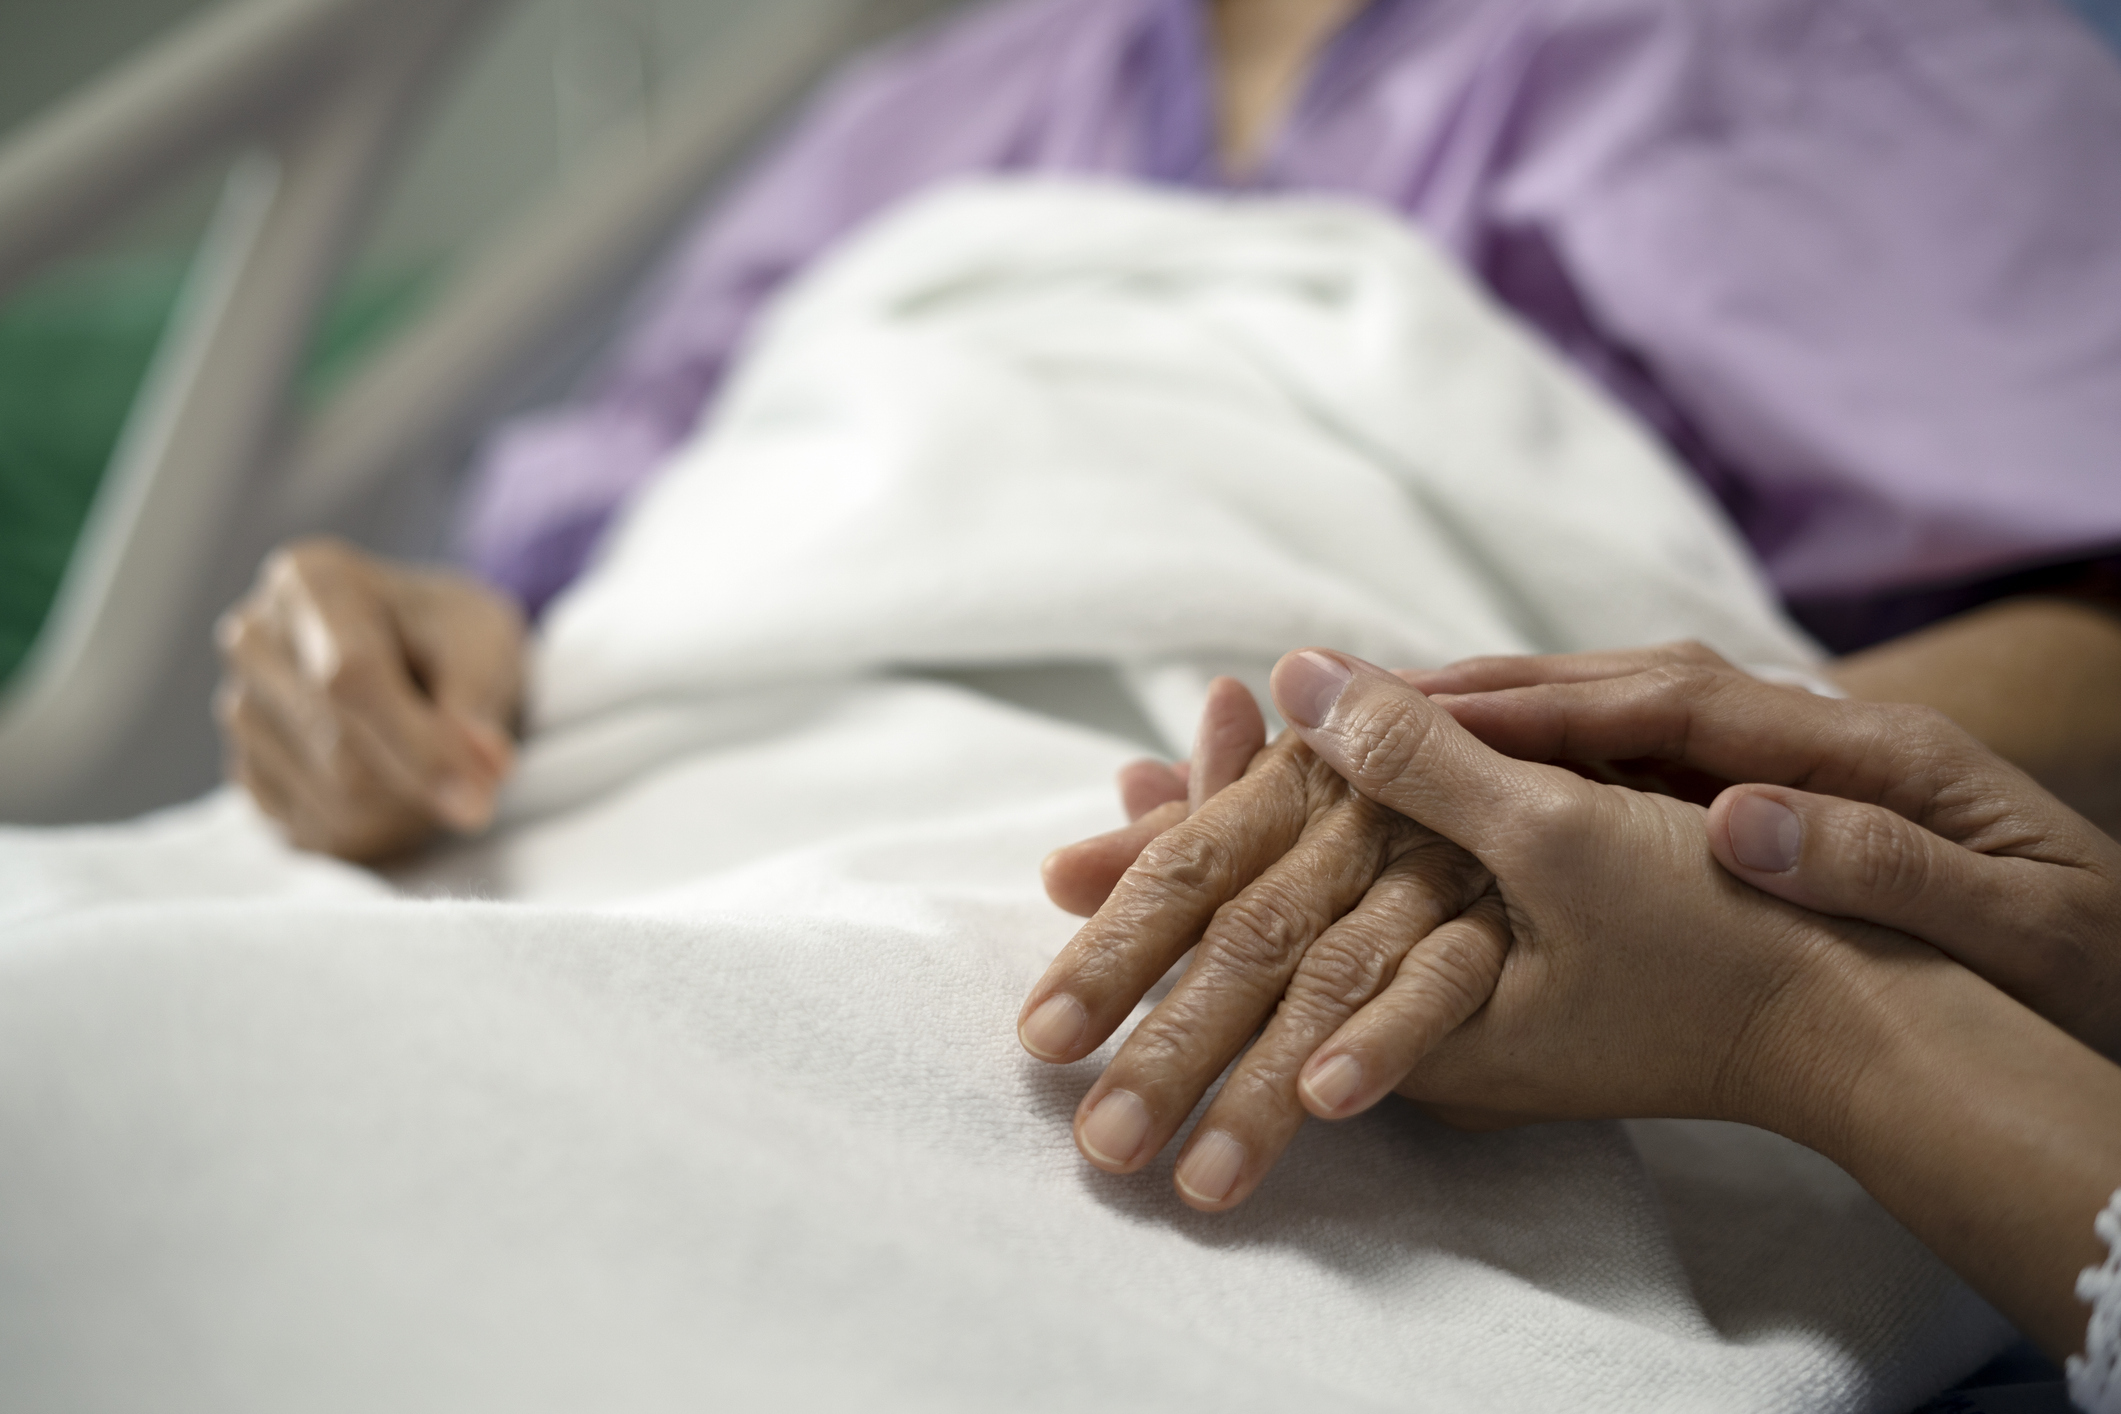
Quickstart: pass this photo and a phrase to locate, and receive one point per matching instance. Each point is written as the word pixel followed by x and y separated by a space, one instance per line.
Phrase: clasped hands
pixel 1402 893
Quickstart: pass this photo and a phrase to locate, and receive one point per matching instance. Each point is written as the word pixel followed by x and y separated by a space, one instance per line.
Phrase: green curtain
pixel 73 350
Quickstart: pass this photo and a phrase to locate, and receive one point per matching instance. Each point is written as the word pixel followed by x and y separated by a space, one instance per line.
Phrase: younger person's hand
pixel 1889 814
pixel 1642 978
pixel 1637 977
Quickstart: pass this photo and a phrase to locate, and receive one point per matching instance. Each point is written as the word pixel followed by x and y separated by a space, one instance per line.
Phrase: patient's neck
pixel 1263 52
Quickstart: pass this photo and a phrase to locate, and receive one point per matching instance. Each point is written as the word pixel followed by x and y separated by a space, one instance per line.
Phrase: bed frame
pixel 312 100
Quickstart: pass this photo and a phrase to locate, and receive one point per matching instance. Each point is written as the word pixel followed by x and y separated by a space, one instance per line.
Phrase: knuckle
pixel 307 564
pixel 1344 973
pixel 1694 652
pixel 1173 1039
pixel 1383 743
pixel 1457 964
pixel 1881 862
pixel 1925 727
pixel 315 551
pixel 1686 679
pixel 1182 860
pixel 1254 933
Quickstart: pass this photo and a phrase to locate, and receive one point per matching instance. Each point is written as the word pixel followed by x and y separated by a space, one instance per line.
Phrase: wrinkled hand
pixel 1889 814
pixel 364 704
pixel 1081 876
pixel 1299 898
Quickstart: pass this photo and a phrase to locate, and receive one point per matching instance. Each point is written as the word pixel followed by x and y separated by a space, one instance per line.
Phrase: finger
pixel 1081 876
pixel 1258 1110
pixel 336 752
pixel 1391 744
pixel 277 781
pixel 1737 728
pixel 1241 968
pixel 347 652
pixel 1438 986
pixel 346 815
pixel 266 787
pixel 2008 919
pixel 311 802
pixel 1163 902
pixel 1232 732
pixel 1496 672
pixel 463 642
pixel 1144 785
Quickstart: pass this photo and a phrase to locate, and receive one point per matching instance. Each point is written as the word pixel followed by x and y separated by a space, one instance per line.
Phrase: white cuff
pixel 2095 1377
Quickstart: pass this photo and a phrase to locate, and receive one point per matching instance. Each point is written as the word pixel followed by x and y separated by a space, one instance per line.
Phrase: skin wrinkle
pixel 1246 982
pixel 1261 1103
pixel 1171 895
pixel 1261 933
pixel 1884 871
pixel 1909 759
pixel 1348 963
pixel 1446 963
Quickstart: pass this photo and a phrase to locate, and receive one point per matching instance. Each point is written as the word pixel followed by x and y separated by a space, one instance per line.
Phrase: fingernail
pixel 1114 1132
pixel 1333 1084
pixel 1308 685
pixel 1211 1167
pixel 1765 834
pixel 462 805
pixel 1052 1031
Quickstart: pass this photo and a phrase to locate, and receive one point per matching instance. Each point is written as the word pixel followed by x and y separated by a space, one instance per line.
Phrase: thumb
pixel 1863 861
pixel 1396 747
pixel 467 647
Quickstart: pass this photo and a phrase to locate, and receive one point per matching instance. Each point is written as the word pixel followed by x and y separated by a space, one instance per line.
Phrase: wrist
pixel 1984 1129
pixel 1812 1055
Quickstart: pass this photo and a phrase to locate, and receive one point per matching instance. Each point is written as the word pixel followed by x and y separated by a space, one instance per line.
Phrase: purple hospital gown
pixel 1859 261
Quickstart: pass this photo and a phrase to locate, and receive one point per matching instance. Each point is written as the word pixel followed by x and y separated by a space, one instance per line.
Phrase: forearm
pixel 1993 1136
pixel 2035 680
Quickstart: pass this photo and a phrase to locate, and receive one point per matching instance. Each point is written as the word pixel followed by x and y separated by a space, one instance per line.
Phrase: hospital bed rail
pixel 314 99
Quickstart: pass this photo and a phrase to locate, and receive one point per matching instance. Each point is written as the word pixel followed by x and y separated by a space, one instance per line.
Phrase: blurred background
pixel 535 101
pixel 547 84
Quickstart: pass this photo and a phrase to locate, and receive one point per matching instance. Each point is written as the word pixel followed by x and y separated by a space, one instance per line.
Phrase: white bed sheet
pixel 696 1085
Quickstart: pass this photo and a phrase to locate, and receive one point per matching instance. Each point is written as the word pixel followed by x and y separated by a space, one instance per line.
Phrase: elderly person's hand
pixel 1157 795
pixel 365 705
pixel 1889 814
pixel 1297 897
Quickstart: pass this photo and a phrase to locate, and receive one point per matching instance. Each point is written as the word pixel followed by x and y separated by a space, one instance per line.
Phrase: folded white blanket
pixel 713 1100
pixel 1037 421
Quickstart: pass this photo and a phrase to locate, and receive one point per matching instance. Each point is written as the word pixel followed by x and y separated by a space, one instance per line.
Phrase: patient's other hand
pixel 365 704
